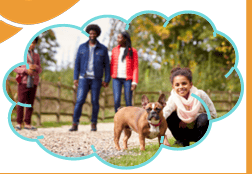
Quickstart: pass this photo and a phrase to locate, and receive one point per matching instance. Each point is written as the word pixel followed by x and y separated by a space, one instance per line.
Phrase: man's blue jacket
pixel 101 61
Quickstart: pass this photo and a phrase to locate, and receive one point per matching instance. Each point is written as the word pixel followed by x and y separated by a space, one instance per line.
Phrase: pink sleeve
pixel 135 66
pixel 21 69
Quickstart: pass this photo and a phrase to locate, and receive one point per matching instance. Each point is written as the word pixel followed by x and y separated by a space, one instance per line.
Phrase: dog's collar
pixel 155 125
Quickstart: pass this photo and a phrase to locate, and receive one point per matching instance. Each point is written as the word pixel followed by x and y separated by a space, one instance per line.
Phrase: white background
pixel 222 151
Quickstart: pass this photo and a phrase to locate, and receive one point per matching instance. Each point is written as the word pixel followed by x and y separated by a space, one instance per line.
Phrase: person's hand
pixel 182 124
pixel 104 84
pixel 33 66
pixel 30 72
pixel 133 87
pixel 76 82
pixel 34 73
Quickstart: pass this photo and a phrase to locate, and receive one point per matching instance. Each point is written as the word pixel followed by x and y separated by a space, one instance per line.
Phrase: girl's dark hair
pixel 128 45
pixel 94 27
pixel 181 71
pixel 36 40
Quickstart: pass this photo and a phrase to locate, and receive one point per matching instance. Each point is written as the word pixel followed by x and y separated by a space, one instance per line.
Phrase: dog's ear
pixel 145 101
pixel 162 100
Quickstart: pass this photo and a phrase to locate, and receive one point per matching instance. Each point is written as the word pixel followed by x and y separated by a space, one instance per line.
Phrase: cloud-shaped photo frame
pixel 234 68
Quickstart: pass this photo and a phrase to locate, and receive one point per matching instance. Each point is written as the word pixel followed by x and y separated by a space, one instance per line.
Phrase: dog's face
pixel 153 109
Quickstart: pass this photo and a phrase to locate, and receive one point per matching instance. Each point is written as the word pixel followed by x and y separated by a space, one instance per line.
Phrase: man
pixel 91 60
pixel 27 87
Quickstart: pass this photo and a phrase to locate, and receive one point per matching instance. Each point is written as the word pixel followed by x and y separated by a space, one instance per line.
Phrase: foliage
pixel 117 26
pixel 46 48
pixel 187 41
pixel 65 75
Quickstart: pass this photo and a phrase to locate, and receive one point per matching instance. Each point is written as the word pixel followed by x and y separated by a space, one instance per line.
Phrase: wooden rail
pixel 104 97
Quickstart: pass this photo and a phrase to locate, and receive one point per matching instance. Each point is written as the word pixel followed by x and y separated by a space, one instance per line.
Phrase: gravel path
pixel 76 144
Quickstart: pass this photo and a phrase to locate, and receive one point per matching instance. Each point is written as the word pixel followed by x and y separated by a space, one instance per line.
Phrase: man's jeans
pixel 83 87
pixel 117 90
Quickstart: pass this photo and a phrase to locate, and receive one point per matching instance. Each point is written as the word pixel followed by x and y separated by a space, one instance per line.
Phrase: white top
pixel 121 73
pixel 171 106
pixel 90 68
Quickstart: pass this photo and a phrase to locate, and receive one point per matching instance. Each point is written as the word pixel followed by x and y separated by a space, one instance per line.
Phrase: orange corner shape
pixel 7 31
pixel 33 11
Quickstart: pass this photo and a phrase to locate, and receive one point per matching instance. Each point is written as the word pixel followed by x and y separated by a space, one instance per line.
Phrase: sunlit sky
pixel 69 40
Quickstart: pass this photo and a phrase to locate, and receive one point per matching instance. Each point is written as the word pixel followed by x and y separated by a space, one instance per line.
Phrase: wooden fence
pixel 104 97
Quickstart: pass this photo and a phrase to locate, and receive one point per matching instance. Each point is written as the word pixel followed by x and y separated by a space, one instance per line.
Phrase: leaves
pixel 187 40
pixel 46 48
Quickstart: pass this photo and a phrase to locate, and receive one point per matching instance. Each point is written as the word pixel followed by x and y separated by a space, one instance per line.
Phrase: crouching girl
pixel 185 115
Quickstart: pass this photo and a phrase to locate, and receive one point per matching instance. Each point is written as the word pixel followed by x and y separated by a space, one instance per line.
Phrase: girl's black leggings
pixel 193 132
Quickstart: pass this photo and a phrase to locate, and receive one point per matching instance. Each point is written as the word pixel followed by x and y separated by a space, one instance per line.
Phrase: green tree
pixel 187 41
pixel 46 48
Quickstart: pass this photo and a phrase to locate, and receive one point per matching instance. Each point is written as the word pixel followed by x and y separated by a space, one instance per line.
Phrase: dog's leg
pixel 117 134
pixel 142 142
pixel 127 134
pixel 159 138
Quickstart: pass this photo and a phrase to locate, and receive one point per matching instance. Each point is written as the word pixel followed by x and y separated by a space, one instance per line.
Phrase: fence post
pixel 8 89
pixel 230 99
pixel 134 97
pixel 209 93
pixel 74 97
pixel 59 92
pixel 39 110
pixel 104 103
pixel 160 92
pixel 90 106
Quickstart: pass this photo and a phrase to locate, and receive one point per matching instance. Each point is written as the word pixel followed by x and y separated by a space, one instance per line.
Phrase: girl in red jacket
pixel 124 69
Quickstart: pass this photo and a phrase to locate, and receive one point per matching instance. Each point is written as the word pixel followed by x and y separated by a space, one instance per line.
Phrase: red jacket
pixel 131 64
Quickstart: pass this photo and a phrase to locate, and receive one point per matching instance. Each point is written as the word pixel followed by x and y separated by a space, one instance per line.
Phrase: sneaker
pixel 18 127
pixel 31 128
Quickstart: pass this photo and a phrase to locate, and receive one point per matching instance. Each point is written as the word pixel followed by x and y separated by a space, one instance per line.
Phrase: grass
pixel 59 124
pixel 51 120
pixel 138 157
pixel 219 114
pixel 54 123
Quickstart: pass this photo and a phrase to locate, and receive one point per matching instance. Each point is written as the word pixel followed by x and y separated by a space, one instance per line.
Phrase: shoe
pixel 74 127
pixel 93 126
pixel 181 143
pixel 177 142
pixel 30 128
pixel 18 128
pixel 186 143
